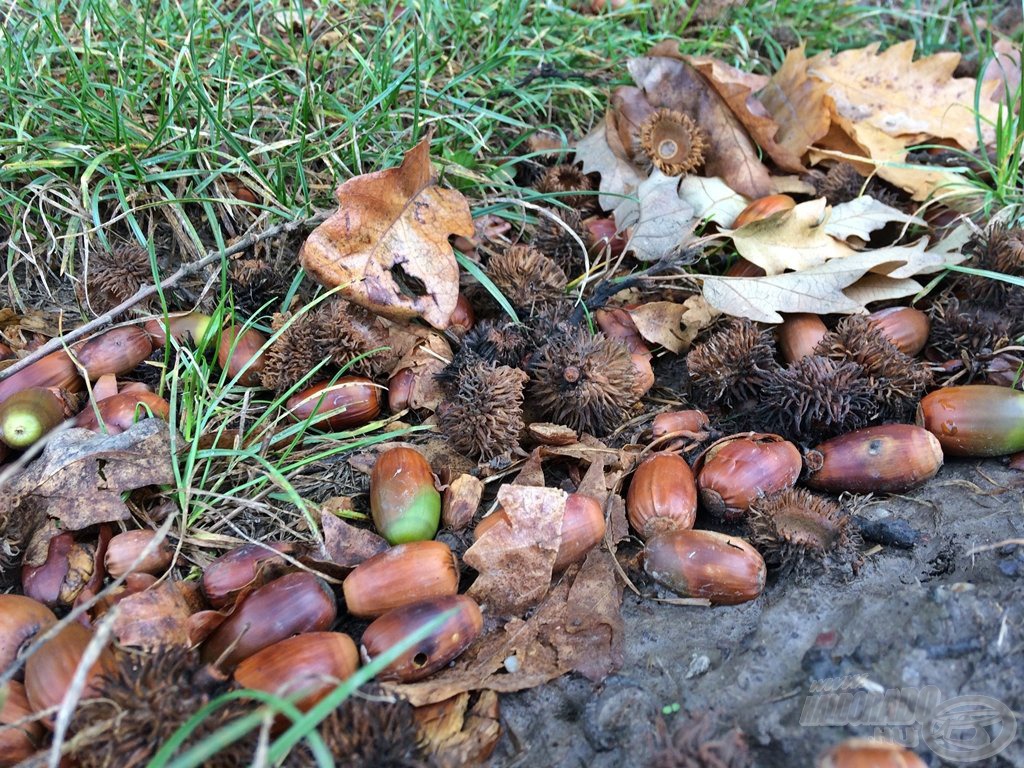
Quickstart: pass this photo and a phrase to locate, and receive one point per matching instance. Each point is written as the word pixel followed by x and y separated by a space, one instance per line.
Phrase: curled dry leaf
pixel 862 216
pixel 387 245
pixel 159 616
pixel 462 730
pixel 796 239
pixel 428 356
pixel 797 104
pixel 661 322
pixel 601 152
pixel 345 545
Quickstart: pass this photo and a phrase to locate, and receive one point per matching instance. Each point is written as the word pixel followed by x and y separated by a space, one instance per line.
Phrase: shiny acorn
pixel 736 470
pixel 351 401
pixel 28 415
pixel 117 351
pixel 190 327
pixel 723 569
pixel 240 353
pixel 662 495
pixel 905 327
pixel 462 318
pixel 119 412
pixel 17 742
pixel 404 503
pixel 400 388
pixel 6 353
pixel 869 753
pixel 248 567
pixel 21 619
pixel 692 422
pixel 292 604
pixel 407 573
pixel 313 664
pixel 54 370
pixel 798 335
pixel 124 548
pixel 441 646
pixel 892 458
pixel 975 420
pixel 762 208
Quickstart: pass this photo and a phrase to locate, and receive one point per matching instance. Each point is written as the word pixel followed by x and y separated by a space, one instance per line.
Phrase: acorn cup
pixel 248 566
pixel 246 353
pixel 17 742
pixel 351 402
pixel 798 336
pixel 28 415
pixel 404 503
pixel 736 470
pixel 892 458
pixel 311 664
pixel 117 351
pixel 188 327
pixel 723 569
pixel 54 370
pixel 295 603
pixel 868 753
pixel 21 619
pixel 907 328
pixel 119 412
pixel 975 420
pixel 407 573
pixel 125 547
pixel 662 495
pixel 441 646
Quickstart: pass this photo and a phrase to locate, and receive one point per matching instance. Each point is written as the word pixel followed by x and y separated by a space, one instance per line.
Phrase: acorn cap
pixel 482 417
pixel 673 142
pixel 554 240
pixel 561 179
pixel 113 276
pixel 525 276
pixel 730 368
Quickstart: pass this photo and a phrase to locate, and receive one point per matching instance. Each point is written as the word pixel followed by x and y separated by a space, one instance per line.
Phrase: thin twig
pixel 149 290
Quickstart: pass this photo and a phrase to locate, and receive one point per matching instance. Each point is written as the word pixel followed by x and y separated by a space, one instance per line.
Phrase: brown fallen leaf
pixel 387 245
pixel 796 239
pixel 346 545
pixel 661 322
pixel 427 357
pixel 797 104
pixel 461 501
pixel 1005 68
pixel 463 730
pixel 157 617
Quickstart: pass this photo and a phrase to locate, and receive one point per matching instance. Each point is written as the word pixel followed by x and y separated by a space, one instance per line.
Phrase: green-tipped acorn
pixel 975 420
pixel 403 500
pixel 28 415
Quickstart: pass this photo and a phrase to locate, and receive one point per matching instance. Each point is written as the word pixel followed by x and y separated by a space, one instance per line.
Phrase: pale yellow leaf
pixel 794 240
pixel 862 216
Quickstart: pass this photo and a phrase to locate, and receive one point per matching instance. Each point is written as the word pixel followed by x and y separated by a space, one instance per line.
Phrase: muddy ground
pixel 936 615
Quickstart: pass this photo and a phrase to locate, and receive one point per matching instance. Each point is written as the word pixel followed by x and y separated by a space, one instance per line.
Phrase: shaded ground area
pixel 934 616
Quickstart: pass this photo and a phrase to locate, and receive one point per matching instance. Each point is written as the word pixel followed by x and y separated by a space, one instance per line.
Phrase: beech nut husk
pixel 190 327
pixel 17 742
pixel 124 548
pixel 21 619
pixel 723 569
pixel 404 503
pixel 243 358
pixel 28 415
pixel 869 753
pixel 55 370
pixel 49 671
pixel 248 566
pixel 892 458
pixel 119 412
pixel 407 573
pixel 662 495
pixel 351 401
pixel 311 664
pixel 295 603
pixel 736 470
pixel 975 420
pixel 798 335
pixel 441 646
pixel 117 351
pixel 762 208
pixel 583 527
pixel 907 328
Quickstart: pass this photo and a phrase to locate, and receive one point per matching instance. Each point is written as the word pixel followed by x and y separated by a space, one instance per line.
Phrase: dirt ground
pixel 936 615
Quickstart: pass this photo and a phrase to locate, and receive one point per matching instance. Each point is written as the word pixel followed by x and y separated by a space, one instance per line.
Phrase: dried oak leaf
pixel 601 151
pixel 460 731
pixel 346 545
pixel 158 617
pixel 81 476
pixel 661 322
pixel 862 216
pixel 797 104
pixel 429 355
pixel 387 245
pixel 796 239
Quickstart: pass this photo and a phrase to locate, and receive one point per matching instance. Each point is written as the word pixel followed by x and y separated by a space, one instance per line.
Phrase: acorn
pixel 54 370
pixel 662 495
pixel 21 619
pixel 404 503
pixel 69 568
pixel 17 742
pixel 122 410
pixel 49 671
pixel 124 548
pixel 313 663
pixel 463 317
pixel 616 323
pixel 28 415
pixel 6 353
pixel 799 334
pixel 400 389
pixel 583 527
pixel 430 654
pixel 762 208
pixel 603 233
pixel 892 458
pixel 975 420
pixel 907 328
pixel 243 357
pixel 743 268
pixel 247 567
pixel 723 569
pixel 691 422
pixel 294 603
pixel 351 401
pixel 117 351
pixel 399 576
pixel 736 470
pixel 868 753
pixel 185 328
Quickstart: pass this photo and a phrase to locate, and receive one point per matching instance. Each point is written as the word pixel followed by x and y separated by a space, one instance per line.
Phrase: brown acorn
pixel 69 568
pixel 17 742
pixel 799 335
pixel 122 410
pixel 294 603
pixel 313 663
pixel 125 548
pixel 463 317
pixel 616 323
pixel 673 142
pixel 602 233
pixel 869 753
pixel 117 351
pixel 351 401
pixel 185 328
pixel 692 422
pixel 723 569
pixel 28 415
pixel 975 420
pixel 6 353
pixel 54 370
pixel 736 470
pixel 762 208
pixel 247 567
pixel 400 389
pixel 404 503
pixel 49 671
pixel 743 268
pixel 243 357
pixel 441 646
pixel 892 458
pixel 402 575
pixel 907 328
pixel 662 495
pixel 21 619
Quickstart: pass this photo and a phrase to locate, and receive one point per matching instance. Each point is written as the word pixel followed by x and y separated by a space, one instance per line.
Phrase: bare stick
pixel 149 290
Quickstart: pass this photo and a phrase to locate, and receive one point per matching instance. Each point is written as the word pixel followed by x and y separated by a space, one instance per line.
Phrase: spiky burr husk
pixel 672 142
pixel 483 415
pixel 526 277
pixel 256 285
pixel 729 369
pixel 115 275
pixel 565 178
pixel 557 242
pixel 695 742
